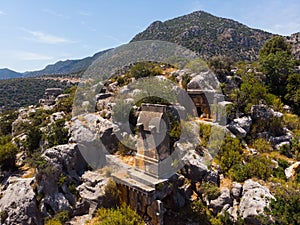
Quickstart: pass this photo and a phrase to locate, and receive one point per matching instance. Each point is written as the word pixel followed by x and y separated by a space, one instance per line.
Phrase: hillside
pixel 8 74
pixel 294 40
pixel 208 35
pixel 67 66
pixel 59 68
pixel 19 92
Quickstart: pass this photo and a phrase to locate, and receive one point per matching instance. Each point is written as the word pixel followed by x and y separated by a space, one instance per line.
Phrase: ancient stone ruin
pixel 50 96
pixel 153 141
pixel 142 186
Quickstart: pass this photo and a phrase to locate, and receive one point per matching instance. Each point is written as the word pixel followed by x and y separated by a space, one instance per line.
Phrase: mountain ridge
pixel 208 35
pixel 202 32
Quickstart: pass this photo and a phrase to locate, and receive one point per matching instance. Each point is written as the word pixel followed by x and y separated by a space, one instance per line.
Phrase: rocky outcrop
pixel 194 168
pixel 255 198
pixel 292 170
pixel 67 158
pixel 224 199
pixel 65 166
pixel 91 192
pixel 264 112
pixel 18 203
pixel 236 190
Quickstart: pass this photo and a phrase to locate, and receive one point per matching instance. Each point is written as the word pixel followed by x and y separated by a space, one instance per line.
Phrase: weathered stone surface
pixel 112 87
pixel 194 168
pixel 244 122
pixel 56 203
pixel 292 170
pixel 95 136
pixel 57 116
pixel 224 199
pixel 212 177
pixel 66 157
pixel 156 212
pixel 280 139
pixel 206 81
pixel 264 112
pixel 92 190
pixel 19 203
pixel 236 129
pixel 255 198
pixel 236 190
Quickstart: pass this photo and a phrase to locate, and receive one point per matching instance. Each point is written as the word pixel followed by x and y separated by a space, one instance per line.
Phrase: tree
pixel 33 139
pixel 8 153
pixel 221 66
pixel 293 92
pixel 277 63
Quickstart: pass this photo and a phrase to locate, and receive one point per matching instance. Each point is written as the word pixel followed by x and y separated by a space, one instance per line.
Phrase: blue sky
pixel 36 33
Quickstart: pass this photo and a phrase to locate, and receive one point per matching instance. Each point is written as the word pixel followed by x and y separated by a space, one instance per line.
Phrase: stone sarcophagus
pixel 153 139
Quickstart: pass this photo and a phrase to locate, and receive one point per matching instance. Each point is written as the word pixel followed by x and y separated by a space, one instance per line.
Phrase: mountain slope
pixel 208 35
pixel 67 67
pixel 8 74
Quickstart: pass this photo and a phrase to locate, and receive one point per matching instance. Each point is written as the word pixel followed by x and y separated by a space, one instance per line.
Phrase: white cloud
pixel 2 13
pixel 47 38
pixel 31 56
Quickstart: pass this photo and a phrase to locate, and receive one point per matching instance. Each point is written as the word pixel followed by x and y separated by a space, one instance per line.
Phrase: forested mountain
pixel 208 35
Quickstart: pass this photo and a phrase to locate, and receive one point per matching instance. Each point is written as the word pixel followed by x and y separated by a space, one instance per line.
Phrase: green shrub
pixel 112 194
pixel 8 153
pixel 58 135
pixel 59 219
pixel 211 191
pixel 6 120
pixel 121 215
pixel 285 210
pixel 239 172
pixel 262 146
pixel 145 69
pixel 230 153
pixel 260 166
pixel 204 133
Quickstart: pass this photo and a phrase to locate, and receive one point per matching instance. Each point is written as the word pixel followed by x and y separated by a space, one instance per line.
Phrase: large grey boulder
pixel 223 200
pixel 92 190
pixel 195 168
pixel 67 158
pixel 255 198
pixel 264 112
pixel 281 139
pixel 236 129
pixel 18 203
pixel 240 126
pixel 56 202
pixel 65 162
pixel 95 137
pixel 244 122
pixel 236 190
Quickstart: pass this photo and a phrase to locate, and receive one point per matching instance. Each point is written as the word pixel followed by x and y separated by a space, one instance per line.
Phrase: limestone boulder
pixel 92 190
pixel 67 158
pixel 236 129
pixel 292 170
pixel 18 203
pixel 236 190
pixel 194 169
pixel 244 122
pixel 224 199
pixel 255 198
